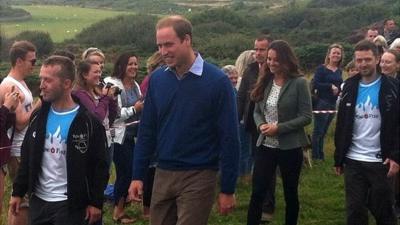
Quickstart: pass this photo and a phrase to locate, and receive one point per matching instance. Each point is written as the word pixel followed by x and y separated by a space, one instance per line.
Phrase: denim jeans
pixel 266 161
pixel 321 125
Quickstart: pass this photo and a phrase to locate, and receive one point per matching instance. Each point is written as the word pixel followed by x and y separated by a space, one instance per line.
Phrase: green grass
pixel 321 196
pixel 61 22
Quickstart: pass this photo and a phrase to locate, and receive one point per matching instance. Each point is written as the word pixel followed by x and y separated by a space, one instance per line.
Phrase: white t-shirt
pixel 28 100
pixel 52 185
pixel 366 145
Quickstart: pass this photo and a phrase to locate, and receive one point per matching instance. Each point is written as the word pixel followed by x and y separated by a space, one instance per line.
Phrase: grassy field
pixel 62 22
pixel 321 198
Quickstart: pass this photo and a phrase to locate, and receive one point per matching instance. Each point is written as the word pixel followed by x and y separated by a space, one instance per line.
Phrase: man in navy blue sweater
pixel 190 123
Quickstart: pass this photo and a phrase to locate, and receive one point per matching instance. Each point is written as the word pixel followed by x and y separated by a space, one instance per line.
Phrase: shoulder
pixel 212 69
pixel 320 69
pixel 391 82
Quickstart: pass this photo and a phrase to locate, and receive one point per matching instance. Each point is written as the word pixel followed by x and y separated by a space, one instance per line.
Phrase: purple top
pixel 144 85
pixel 99 110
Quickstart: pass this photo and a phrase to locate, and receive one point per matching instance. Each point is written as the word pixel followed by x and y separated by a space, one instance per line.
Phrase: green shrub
pixel 42 41
pixel 136 31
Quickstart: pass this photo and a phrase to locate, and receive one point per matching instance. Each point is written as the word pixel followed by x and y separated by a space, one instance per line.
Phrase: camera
pixel 108 85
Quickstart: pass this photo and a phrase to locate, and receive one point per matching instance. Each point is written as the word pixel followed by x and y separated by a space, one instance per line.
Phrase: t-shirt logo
pixel 367 109
pixel 54 143
pixel 80 142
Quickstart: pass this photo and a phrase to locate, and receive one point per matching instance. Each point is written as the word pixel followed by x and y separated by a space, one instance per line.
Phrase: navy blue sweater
pixel 323 80
pixel 190 124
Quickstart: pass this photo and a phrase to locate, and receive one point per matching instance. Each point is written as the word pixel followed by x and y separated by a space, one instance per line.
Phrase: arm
pixel 319 82
pixel 97 164
pixel 258 116
pixel 243 93
pixel 20 185
pixel 304 112
pixel 99 110
pixel 227 127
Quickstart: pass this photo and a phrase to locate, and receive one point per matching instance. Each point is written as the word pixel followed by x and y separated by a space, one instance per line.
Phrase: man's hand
pixel 226 203
pixel 14 204
pixel 393 167
pixel 136 191
pixel 338 170
pixel 93 214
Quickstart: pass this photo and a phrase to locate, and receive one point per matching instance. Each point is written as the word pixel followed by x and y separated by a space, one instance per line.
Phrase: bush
pixel 42 41
pixel 136 31
pixel 224 46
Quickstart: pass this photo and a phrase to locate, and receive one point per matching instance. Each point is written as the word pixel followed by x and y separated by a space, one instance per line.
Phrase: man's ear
pixel 67 83
pixel 188 39
pixel 19 61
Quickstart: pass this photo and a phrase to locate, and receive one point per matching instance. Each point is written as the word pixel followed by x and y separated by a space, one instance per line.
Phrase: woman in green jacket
pixel 282 110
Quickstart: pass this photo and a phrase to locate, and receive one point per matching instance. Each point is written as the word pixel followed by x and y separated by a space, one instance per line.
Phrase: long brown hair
pixel 286 58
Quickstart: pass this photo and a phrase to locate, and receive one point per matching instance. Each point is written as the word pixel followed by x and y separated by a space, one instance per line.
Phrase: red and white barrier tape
pixel 11 146
pixel 324 111
pixel 126 124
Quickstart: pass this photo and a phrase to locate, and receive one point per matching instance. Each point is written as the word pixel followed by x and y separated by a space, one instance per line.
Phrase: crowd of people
pixel 190 123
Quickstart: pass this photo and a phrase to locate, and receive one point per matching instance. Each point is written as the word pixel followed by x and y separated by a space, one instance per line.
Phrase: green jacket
pixel 294 113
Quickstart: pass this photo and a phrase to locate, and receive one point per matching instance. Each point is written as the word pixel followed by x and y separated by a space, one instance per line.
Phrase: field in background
pixel 61 22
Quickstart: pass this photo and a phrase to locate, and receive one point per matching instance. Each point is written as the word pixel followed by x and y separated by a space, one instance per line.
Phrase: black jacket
pixel 245 105
pixel 389 109
pixel 87 170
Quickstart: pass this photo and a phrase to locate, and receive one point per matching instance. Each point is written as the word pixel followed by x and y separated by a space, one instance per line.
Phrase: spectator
pixel 282 110
pixel 94 55
pixel 371 34
pixel 190 122
pixel 390 30
pixel 153 62
pixel 95 96
pixel 395 44
pixel 351 70
pixel 130 104
pixel 23 58
pixel 390 63
pixel 231 72
pixel 7 120
pixel 367 139
pixel 242 62
pixel 47 172
pixel 327 81
pixel 246 108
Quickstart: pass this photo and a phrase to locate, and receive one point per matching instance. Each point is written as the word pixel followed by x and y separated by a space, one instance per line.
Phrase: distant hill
pixel 10 14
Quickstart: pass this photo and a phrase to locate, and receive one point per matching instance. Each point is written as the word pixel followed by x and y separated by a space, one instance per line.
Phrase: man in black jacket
pixel 63 161
pixel 246 108
pixel 367 139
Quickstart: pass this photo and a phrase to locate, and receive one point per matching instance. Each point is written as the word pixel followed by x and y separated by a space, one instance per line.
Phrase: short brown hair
pixel 365 45
pixel 19 50
pixel 67 70
pixel 180 24
pixel 264 37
